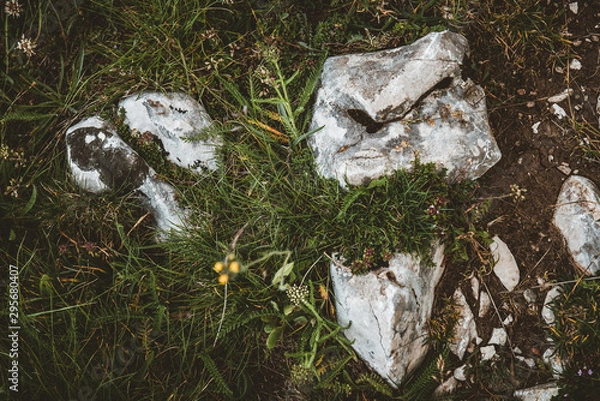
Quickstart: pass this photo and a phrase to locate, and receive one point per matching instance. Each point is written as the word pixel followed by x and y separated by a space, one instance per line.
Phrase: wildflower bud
pixel 234 267
pixel 218 267
pixel 223 279
pixel 297 294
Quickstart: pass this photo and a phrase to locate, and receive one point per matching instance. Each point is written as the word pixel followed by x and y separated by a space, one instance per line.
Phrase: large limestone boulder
pixel 387 311
pixel 577 216
pixel 173 118
pixel 100 160
pixel 378 110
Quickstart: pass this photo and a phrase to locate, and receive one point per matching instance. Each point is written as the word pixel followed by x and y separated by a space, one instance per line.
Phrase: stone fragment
pixel 575 65
pixel 100 160
pixel 506 268
pixel 527 361
pixel 460 373
pixel 535 127
pixel 553 360
pixel 558 111
pixel 542 392
pixel 574 7
pixel 547 312
pixel 487 352
pixel 387 311
pixel 447 387
pixel 576 216
pixel 378 110
pixel 466 329
pixel 173 118
pixel 499 337
pixel 475 287
pixel 485 302
pixel 564 95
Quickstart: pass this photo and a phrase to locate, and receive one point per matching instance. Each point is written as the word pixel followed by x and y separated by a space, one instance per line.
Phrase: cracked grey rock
pixel 378 110
pixel 387 311
pixel 577 216
pixel 100 160
pixel 465 330
pixel 173 118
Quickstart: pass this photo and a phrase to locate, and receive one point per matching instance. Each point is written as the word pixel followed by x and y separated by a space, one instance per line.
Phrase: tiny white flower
pixel 26 45
pixel 13 8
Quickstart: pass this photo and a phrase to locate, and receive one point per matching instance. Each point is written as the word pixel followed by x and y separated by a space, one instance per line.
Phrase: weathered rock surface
pixel 506 266
pixel 387 312
pixel 378 110
pixel 543 392
pixel 576 216
pixel 466 329
pixel 173 118
pixel 100 160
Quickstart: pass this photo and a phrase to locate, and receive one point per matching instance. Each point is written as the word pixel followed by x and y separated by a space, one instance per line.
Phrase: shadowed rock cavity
pixel 378 110
pixel 100 160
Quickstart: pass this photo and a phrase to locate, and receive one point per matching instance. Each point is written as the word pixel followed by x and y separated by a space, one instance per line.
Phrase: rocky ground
pixel 540 149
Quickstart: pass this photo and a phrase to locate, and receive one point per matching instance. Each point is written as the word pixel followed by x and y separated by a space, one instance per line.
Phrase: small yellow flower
pixel 223 279
pixel 219 267
pixel 234 267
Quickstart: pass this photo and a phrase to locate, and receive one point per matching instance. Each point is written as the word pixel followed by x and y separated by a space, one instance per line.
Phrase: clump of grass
pixel 576 332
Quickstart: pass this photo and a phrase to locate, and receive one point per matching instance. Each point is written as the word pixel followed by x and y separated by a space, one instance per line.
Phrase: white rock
pixel 558 111
pixel 574 7
pixel 552 359
pixel 173 118
pixel 466 329
pixel 499 336
pixel 542 392
pixel 446 387
pixel 387 311
pixel 506 266
pixel 487 352
pixel 475 287
pixel 535 127
pixel 485 302
pixel 575 64
pixel 378 109
pixel 561 96
pixel 100 160
pixel 528 361
pixel 460 373
pixel 576 216
pixel 547 313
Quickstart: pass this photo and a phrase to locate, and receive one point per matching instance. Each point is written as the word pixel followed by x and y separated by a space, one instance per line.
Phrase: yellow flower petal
pixel 234 267
pixel 223 279
pixel 218 267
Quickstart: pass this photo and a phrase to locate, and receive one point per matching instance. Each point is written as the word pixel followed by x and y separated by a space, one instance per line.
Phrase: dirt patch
pixel 539 151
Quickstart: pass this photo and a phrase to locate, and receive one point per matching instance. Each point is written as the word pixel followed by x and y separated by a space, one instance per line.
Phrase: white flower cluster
pixel 26 45
pixel 298 294
pixel 13 8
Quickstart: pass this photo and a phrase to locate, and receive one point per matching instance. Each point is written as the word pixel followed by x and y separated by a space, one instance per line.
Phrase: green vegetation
pixel 577 334
pixel 105 311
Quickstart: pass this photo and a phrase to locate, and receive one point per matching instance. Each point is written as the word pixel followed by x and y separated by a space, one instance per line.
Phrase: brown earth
pixel 517 100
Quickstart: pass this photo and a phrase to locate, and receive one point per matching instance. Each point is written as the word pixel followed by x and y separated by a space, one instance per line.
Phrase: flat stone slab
pixel 379 110
pixel 387 312
pixel 100 160
pixel 173 118
pixel 576 216
pixel 505 267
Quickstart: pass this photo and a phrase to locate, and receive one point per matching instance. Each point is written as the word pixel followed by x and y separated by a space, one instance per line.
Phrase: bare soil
pixel 517 99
